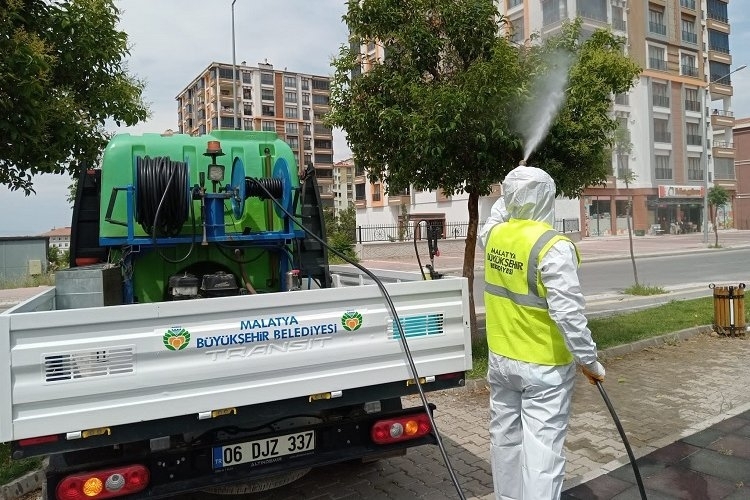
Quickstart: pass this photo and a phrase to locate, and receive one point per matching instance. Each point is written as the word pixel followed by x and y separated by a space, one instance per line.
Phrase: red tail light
pixel 393 430
pixel 38 440
pixel 108 483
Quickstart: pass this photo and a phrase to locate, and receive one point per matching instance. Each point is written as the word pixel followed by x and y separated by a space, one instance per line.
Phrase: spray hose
pixel 624 438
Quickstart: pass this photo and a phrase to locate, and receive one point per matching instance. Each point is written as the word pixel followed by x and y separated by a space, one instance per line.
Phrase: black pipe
pixel 625 441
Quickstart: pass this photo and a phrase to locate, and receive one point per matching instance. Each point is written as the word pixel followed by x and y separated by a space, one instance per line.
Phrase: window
pixel 305 98
pixel 693 131
pixel 308 144
pixel 318 84
pixel 717 10
pixel 290 81
pixel 322 130
pixel 323 144
pixel 688 4
pixel 293 142
pixel 688 31
pixel 305 84
pixel 323 158
pixel 247 77
pixel 247 94
pixel 718 41
pixel 662 170
pixel 514 3
pixel 516 30
pixel 553 11
pixel 320 99
pixel 269 126
pixel 724 168
pixel 661 130
pixel 660 95
pixel 359 192
pixel 695 170
pixel 291 112
pixel 720 73
pixel 227 73
pixel 227 122
pixel 656 58
pixel 688 66
pixel 656 22
pixel 247 109
pixel 306 129
pixel 268 110
pixel 375 192
pixel 290 97
pixel 247 124
pixel 618 18
pixel 692 102
pixel 305 114
pixel 292 128
pixel 266 94
pixel 266 78
pixel 308 158
pixel 593 9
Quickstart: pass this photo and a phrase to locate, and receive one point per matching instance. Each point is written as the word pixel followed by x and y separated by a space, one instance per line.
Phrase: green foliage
pixel 341 232
pixel 717 197
pixel 640 289
pixel 12 469
pixel 629 327
pixel 62 76
pixel 27 281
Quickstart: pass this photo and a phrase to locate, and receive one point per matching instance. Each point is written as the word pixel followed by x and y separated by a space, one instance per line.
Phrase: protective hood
pixel 529 193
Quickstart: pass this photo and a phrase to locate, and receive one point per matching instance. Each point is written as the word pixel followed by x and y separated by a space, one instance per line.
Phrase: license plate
pixel 263 449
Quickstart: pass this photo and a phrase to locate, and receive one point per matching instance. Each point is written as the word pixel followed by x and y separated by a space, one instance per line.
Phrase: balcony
pixel 619 24
pixel 722 119
pixel 658 28
pixel 690 37
pixel 718 16
pixel 593 14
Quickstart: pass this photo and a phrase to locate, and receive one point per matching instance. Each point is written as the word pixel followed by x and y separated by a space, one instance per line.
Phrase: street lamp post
pixel 234 74
pixel 705 100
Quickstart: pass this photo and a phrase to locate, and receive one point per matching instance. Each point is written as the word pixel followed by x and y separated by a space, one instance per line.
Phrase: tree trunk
pixel 630 238
pixel 469 251
pixel 716 228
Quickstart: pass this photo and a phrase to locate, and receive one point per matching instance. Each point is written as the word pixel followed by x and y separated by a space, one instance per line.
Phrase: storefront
pixel 676 209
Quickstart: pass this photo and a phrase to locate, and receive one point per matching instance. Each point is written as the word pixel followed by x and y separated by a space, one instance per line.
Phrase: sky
pixel 172 41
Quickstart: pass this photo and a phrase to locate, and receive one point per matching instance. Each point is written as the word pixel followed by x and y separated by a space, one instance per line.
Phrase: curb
pixel 25 484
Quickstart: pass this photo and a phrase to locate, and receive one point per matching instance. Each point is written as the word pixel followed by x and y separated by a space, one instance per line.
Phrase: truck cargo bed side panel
pixel 83 369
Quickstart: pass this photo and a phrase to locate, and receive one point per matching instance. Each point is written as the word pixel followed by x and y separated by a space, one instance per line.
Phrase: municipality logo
pixel 351 321
pixel 176 339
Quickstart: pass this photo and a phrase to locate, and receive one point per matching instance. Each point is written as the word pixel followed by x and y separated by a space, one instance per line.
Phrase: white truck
pixel 216 385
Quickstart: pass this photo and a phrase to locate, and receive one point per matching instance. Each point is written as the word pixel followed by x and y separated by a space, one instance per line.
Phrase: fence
pixel 450 230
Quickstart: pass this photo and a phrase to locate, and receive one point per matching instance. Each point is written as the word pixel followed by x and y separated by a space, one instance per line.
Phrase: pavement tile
pixel 687 484
pixel 600 488
pixel 736 446
pixel 723 466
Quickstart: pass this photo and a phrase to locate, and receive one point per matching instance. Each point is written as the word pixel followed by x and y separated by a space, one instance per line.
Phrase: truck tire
pixel 258 485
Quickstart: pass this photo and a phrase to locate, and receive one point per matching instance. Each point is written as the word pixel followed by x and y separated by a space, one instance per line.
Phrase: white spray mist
pixel 548 94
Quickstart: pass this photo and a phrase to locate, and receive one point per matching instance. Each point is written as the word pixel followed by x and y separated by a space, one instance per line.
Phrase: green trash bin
pixel 729 309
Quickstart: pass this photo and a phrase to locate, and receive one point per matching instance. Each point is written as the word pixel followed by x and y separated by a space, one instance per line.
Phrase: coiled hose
pixel 162 195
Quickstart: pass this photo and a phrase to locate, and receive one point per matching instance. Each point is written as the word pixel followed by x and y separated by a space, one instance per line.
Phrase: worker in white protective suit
pixel 536 333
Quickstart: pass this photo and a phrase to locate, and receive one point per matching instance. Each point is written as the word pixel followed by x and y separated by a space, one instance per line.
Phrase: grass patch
pixel 629 327
pixel 644 290
pixel 27 281
pixel 12 469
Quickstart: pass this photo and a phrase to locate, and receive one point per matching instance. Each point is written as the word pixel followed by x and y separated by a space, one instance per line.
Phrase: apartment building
pixel 678 116
pixel 291 104
pixel 343 184
pixel 58 237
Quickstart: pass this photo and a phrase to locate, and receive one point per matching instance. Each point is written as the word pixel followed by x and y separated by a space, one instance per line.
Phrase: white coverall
pixel 530 403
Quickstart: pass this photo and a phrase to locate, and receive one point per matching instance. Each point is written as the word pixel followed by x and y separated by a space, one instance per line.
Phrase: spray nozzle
pixel 522 163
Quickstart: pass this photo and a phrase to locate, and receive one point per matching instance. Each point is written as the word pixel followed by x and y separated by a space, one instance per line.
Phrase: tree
pixel 717 197
pixel 439 111
pixel 622 148
pixel 341 231
pixel 62 76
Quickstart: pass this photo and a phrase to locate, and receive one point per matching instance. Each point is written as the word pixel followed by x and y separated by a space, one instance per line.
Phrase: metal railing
pixel 692 105
pixel 660 100
pixel 655 63
pixel 722 112
pixel 694 140
pixel 450 230
pixel 689 4
pixel 658 28
pixel 689 37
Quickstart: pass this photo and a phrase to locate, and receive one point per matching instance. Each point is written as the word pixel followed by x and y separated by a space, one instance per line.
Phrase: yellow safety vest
pixel 518 322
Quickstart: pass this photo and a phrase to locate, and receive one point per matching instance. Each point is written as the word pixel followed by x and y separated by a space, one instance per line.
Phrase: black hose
pixel 398 326
pixel 162 195
pixel 624 438
pixel 416 251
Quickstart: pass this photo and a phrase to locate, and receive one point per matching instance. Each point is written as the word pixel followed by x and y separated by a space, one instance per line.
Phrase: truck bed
pixel 70 371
